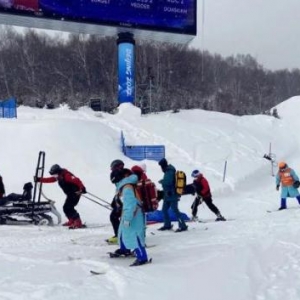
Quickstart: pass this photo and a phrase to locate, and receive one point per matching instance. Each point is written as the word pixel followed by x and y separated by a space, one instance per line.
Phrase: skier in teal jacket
pixel 131 234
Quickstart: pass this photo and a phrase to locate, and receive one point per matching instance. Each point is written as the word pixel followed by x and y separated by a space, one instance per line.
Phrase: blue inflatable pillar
pixel 126 67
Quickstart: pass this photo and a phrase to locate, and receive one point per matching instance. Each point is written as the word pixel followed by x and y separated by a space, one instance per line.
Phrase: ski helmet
pixel 195 173
pixel 117 164
pixel 55 169
pixel 282 165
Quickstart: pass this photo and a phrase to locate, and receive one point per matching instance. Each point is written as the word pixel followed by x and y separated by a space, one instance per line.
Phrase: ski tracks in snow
pixel 275 270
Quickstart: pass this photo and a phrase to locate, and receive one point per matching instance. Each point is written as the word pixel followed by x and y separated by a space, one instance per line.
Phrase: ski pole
pixel 224 172
pixel 105 206
pixel 98 198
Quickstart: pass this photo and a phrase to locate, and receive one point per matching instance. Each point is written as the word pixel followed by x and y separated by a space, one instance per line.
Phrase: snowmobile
pixel 22 209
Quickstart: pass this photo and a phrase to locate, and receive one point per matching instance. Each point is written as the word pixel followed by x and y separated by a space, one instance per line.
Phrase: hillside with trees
pixel 38 70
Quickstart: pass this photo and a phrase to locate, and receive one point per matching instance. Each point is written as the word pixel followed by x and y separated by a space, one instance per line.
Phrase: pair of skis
pixel 278 210
pixel 114 255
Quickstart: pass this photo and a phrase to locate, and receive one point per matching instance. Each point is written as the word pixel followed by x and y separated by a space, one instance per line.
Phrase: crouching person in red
pixel 72 187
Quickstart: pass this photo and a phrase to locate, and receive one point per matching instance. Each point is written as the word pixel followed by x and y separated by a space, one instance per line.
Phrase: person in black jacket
pixel 116 205
pixel 115 217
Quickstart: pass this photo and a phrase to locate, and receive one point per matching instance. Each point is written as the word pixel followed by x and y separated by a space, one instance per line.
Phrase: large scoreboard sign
pixel 148 18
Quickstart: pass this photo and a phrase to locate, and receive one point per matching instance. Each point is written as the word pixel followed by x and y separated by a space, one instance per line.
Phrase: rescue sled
pixel 22 209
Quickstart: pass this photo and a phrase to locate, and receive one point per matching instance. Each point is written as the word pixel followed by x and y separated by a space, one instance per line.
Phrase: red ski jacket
pixel 202 186
pixel 69 183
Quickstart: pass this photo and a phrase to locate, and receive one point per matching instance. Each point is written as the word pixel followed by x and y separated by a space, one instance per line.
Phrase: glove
pixel 160 195
pixel 126 224
pixel 84 191
pixel 296 184
pixel 199 198
pixel 36 179
pixel 277 187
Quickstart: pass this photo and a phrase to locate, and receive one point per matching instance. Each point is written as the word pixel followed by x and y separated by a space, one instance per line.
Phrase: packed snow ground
pixel 254 256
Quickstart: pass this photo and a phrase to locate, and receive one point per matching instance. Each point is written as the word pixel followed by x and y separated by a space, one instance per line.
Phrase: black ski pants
pixel 208 201
pixel 69 206
pixel 115 217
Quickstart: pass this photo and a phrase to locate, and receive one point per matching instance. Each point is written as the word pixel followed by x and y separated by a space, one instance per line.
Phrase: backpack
pixel 147 191
pixel 180 182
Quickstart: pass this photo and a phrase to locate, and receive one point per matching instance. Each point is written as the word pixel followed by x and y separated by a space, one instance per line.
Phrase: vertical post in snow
pixel 150 93
pixel 270 154
pixel 225 168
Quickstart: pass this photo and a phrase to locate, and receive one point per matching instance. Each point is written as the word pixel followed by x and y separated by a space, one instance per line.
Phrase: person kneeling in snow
pixel 72 187
pixel 289 181
pixel 202 189
pixel 131 230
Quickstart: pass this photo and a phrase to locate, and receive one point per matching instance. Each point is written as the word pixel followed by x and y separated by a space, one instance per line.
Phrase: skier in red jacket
pixel 202 189
pixel 72 187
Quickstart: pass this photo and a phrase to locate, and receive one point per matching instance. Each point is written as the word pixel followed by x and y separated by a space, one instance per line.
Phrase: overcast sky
pixel 269 30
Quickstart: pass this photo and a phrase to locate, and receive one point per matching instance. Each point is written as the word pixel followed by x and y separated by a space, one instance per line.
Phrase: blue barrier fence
pixel 141 152
pixel 8 108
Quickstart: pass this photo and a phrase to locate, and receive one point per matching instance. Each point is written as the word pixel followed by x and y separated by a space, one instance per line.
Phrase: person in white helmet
pixel 203 192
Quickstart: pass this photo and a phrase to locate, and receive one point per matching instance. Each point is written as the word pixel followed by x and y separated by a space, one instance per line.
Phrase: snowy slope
pixel 254 256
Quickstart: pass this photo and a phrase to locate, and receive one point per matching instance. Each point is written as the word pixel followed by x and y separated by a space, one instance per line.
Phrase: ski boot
pixel 76 224
pixel 182 229
pixel 112 241
pixel 281 208
pixel 140 262
pixel 121 253
pixel 68 223
pixel 195 219
pixel 220 218
pixel 282 204
pixel 165 228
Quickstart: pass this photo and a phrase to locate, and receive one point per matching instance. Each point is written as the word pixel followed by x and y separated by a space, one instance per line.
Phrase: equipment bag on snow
pixel 180 182
pixel 148 195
